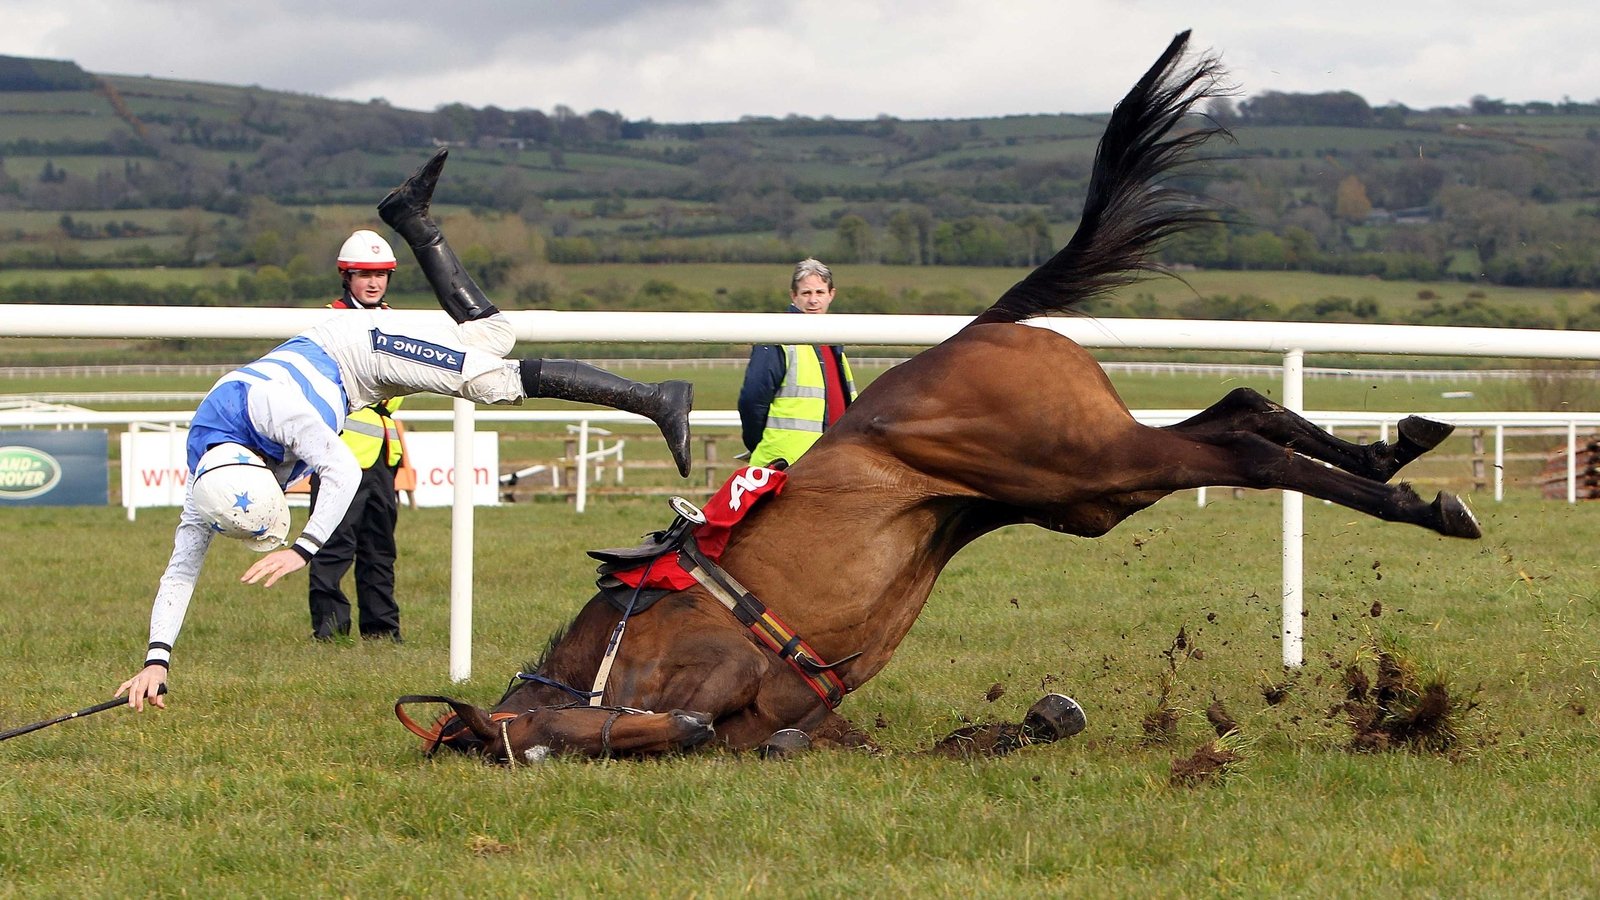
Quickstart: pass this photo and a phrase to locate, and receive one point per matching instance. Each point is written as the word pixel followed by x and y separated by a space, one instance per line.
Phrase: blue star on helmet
pixel 243 457
pixel 242 501
pixel 259 531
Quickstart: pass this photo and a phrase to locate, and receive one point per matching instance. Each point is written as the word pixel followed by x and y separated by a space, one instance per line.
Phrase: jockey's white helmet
pixel 239 497
pixel 365 250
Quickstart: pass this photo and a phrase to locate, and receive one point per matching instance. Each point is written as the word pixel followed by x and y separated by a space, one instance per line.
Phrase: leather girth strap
pixel 767 627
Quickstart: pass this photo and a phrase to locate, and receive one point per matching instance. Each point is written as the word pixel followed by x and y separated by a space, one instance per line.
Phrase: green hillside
pixel 128 175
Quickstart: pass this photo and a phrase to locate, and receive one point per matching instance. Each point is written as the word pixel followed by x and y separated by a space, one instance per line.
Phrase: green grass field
pixel 279 770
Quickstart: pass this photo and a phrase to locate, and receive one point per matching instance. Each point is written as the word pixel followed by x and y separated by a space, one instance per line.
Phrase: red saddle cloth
pixel 731 503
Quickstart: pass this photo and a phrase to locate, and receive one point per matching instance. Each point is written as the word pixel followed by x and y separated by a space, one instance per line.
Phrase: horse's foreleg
pixel 833 732
pixel 1176 462
pixel 1246 410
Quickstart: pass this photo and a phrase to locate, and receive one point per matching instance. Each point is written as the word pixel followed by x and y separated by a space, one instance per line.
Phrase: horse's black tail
pixel 1129 209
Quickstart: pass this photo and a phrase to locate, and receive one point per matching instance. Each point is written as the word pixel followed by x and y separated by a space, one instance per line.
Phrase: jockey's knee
pixel 502 385
pixel 491 334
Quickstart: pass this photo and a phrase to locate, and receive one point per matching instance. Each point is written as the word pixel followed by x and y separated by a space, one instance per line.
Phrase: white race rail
pixel 1292 339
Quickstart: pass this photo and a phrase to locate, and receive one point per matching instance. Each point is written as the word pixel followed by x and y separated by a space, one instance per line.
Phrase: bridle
pixel 435 736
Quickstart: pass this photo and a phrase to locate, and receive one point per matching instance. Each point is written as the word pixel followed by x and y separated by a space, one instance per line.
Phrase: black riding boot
pixel 406 211
pixel 666 403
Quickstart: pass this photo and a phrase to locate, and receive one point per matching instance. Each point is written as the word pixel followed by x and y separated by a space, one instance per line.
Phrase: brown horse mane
pixel 1132 205
pixel 537 662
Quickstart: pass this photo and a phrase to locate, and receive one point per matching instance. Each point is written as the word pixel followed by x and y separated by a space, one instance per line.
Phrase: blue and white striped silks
pixel 224 415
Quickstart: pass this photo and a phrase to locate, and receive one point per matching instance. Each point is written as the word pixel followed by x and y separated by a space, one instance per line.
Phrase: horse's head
pixel 596 731
pixel 550 731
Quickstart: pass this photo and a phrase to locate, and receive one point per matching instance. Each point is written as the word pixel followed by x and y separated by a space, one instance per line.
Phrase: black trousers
pixel 366 536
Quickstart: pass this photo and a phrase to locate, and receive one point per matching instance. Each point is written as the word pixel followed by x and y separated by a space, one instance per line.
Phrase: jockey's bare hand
pixel 145 686
pixel 273 566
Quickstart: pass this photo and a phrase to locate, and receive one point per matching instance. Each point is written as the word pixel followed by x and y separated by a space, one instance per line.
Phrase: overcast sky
pixel 718 60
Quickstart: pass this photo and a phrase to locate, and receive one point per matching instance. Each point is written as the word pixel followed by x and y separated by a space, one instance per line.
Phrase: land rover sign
pixel 26 473
pixel 53 468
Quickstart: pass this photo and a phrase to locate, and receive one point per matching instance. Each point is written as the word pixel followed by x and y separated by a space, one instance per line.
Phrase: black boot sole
pixel 677 399
pixel 411 200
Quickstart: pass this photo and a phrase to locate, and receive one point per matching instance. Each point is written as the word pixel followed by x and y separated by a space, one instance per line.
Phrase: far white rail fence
pixel 1291 339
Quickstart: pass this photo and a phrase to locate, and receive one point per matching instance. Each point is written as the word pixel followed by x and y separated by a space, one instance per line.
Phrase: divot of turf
pixel 1209 763
pixel 1220 720
pixel 1397 708
pixel 996 739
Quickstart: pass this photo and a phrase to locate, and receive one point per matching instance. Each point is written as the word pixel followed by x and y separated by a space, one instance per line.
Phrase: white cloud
pixel 708 60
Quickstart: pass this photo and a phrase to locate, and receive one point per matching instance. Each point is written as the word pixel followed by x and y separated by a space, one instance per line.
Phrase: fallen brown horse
pixel 1002 424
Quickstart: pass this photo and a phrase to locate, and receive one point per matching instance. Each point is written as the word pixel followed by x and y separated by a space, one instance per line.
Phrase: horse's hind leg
pixel 1236 459
pixel 1246 410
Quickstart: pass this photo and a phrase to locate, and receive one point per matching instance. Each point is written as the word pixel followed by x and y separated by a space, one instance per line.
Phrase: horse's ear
pixel 475 719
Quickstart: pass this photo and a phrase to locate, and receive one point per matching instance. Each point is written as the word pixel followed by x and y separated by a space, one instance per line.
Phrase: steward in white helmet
pixel 288 408
pixel 365 538
pixel 365 264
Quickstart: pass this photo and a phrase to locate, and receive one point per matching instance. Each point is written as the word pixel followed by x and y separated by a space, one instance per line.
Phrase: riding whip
pixel 87 711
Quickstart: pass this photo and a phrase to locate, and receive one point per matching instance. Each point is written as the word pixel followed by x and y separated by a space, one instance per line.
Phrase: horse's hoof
pixel 1417 436
pixel 784 744
pixel 694 728
pixel 1455 519
pixel 1054 717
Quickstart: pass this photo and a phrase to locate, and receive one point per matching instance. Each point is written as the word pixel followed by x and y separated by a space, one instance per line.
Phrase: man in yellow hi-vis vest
pixel 366 535
pixel 792 393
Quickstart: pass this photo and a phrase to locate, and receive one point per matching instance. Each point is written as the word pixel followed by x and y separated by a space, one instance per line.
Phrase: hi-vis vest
pixel 367 429
pixel 794 421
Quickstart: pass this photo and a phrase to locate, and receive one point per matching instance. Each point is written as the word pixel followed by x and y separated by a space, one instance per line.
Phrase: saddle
pixel 657 548
pixel 617 559
pixel 642 574
pixel 621 595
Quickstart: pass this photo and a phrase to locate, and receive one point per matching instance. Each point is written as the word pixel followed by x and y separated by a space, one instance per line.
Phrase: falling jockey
pixel 269 423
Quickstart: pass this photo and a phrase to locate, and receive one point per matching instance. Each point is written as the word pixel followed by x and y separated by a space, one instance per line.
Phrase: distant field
pixel 47 127
pixel 957 287
pixel 1284 289
pixel 40 103
pixel 34 221
pixel 158 276
pixel 1312 140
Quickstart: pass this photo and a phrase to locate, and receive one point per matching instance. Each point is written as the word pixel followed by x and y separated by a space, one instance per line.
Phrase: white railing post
pixel 1572 462
pixel 130 471
pixel 1293 527
pixel 461 544
pixel 583 465
pixel 1499 463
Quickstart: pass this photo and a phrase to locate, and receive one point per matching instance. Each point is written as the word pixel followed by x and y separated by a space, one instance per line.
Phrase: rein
pixel 435 735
